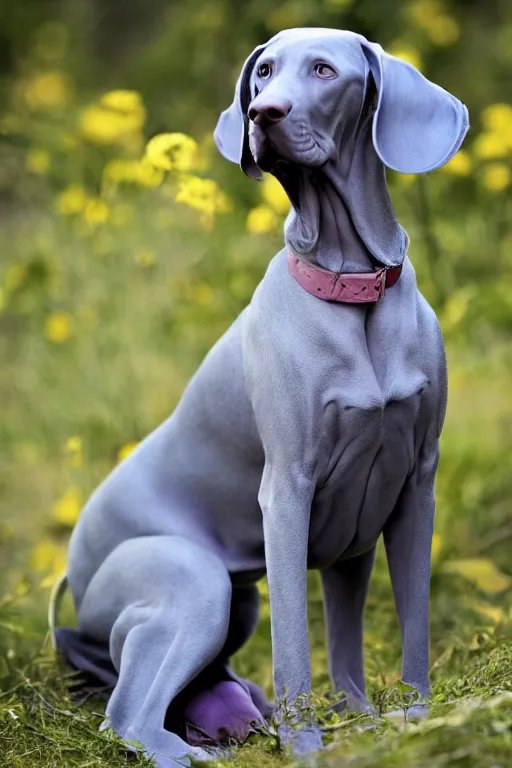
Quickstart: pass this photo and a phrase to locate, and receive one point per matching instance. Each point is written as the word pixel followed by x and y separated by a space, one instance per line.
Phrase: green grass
pixel 470 720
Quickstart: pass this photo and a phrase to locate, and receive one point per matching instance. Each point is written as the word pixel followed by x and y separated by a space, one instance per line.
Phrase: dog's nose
pixel 269 113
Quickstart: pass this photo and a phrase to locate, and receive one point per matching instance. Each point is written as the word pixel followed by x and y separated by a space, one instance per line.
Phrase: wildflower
pixel 202 194
pixel 101 126
pixel 118 118
pixel 49 557
pixel 491 146
pixel 46 91
pixel 498 118
pixel 437 545
pixel 431 17
pixel 72 201
pixel 274 194
pixel 172 151
pixel 74 444
pixel 496 177
pixel 126 450
pixel 58 327
pixel 406 53
pixel 119 171
pixel 74 451
pixel 38 161
pixel 96 212
pixel 261 219
pixel 129 102
pixel 148 175
pixel 459 165
pixel 67 510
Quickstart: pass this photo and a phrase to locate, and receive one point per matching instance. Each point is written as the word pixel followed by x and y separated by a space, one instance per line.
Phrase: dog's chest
pixel 373 451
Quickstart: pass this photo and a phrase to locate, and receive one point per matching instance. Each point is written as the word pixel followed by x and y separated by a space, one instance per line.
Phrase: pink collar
pixel 346 287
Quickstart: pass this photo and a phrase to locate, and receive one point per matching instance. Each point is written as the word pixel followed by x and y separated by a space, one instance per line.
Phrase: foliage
pixel 128 248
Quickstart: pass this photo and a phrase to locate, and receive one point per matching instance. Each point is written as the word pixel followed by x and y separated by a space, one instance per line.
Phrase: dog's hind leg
pixel 163 604
pixel 345 587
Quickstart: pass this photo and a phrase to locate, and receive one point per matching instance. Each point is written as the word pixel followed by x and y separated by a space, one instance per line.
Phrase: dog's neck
pixel 342 216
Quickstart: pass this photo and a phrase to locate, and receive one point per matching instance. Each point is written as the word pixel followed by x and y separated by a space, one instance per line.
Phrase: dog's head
pixel 301 97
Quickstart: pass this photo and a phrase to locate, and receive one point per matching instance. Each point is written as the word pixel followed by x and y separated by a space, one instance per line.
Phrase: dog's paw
pixel 303 741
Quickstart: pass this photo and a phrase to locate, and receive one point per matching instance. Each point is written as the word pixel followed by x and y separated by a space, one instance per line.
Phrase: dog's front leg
pixel 285 498
pixel 408 542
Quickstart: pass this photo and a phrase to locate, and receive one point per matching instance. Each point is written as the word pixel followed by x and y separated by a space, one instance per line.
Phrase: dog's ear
pixel 417 126
pixel 232 131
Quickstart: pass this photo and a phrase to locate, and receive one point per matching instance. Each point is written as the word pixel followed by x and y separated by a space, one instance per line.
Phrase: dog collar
pixel 345 287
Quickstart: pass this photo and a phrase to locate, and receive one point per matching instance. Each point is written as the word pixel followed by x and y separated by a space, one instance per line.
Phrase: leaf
pixel 481 572
pixel 488 611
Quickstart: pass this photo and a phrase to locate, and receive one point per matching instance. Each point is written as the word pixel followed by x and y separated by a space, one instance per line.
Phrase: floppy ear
pixel 417 126
pixel 232 131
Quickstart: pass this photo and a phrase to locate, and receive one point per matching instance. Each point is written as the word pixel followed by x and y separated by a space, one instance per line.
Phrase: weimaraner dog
pixel 310 428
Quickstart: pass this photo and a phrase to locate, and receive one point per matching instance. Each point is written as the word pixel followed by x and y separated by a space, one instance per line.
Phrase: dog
pixel 310 428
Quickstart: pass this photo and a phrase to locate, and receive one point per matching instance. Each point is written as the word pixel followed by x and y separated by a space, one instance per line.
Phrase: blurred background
pixel 121 263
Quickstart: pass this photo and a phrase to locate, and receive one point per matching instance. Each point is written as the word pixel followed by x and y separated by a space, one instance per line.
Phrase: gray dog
pixel 310 428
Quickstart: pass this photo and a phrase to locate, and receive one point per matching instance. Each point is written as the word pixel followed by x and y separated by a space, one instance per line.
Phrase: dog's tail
pixel 56 595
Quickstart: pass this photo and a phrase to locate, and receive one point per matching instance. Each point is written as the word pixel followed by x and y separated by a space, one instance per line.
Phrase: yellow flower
pixel 74 444
pixel 202 194
pixel 125 451
pixel 72 201
pixel 122 171
pixel 38 161
pixel 261 219
pixel 46 90
pixel 432 18
pixel 172 151
pixel 96 212
pixel 123 101
pixel 496 177
pixel 74 451
pixel 498 118
pixel 459 165
pixel 49 557
pixel 405 53
pixel 117 118
pixel 58 327
pixel 148 175
pixel 274 194
pixel 437 545
pixel 67 510
pixel 490 146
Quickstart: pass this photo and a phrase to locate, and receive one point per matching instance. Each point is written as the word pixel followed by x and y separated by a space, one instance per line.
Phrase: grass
pixel 469 724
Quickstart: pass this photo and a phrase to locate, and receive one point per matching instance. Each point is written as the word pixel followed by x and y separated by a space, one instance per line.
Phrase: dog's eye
pixel 324 71
pixel 264 71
